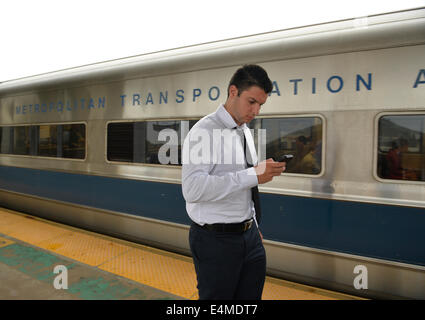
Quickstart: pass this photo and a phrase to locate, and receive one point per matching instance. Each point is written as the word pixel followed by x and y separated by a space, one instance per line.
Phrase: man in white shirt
pixel 220 187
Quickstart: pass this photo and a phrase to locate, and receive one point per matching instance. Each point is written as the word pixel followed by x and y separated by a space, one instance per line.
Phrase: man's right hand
pixel 268 169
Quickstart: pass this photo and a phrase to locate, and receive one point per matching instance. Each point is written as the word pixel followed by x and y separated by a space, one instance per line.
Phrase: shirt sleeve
pixel 198 185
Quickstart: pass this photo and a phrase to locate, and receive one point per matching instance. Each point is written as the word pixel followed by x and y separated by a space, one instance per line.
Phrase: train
pixel 80 146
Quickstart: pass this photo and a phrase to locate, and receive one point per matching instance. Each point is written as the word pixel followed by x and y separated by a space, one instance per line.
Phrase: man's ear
pixel 233 91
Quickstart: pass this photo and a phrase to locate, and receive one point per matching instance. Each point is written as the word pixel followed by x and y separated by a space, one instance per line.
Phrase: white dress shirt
pixel 216 182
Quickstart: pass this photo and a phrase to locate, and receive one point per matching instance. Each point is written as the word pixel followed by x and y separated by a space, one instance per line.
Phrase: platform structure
pixel 41 259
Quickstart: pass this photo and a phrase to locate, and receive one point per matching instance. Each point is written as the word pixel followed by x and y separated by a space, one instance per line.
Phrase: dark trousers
pixel 228 265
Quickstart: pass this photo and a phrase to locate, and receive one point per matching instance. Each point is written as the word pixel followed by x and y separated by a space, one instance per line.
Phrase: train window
pixel 401 147
pixel 73 140
pixel 120 142
pixel 47 141
pixel 141 142
pixel 299 136
pixel 6 139
pixel 21 140
pixel 59 141
pixel 62 141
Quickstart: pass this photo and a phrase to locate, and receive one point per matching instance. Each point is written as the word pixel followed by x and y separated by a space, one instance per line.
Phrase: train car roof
pixel 401 28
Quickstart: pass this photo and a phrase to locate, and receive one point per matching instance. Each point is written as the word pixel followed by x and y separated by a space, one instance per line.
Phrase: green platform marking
pixel 100 288
pixel 35 263
pixel 40 265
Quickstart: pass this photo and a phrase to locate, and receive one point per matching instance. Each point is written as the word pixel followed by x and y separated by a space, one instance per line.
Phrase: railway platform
pixel 45 260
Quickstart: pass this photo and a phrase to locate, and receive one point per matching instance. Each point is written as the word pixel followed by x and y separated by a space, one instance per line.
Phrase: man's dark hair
pixel 250 75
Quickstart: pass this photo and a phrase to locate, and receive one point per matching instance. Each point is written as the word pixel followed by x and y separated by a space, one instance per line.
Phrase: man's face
pixel 246 107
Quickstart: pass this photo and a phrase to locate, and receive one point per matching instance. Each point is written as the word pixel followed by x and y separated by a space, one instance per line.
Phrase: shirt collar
pixel 227 119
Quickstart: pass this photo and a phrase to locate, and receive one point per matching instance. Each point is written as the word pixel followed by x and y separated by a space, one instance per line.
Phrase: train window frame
pixel 376 145
pixel 324 138
pixel 47 157
pixel 140 164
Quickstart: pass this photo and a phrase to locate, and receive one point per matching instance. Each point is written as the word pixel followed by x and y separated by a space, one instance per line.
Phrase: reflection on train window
pixel 59 141
pixel 154 142
pixel 299 136
pixel 401 147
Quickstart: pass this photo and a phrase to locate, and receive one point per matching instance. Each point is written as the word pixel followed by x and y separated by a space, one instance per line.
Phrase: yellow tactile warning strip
pixel 83 247
pixel 156 268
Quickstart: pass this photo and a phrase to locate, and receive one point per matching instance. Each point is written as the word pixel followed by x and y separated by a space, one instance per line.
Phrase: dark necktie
pixel 254 190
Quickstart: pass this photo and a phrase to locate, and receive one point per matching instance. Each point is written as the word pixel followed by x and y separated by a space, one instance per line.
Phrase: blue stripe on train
pixel 380 231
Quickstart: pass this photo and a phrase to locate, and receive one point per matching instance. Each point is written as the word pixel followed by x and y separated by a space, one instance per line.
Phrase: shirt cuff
pixel 251 177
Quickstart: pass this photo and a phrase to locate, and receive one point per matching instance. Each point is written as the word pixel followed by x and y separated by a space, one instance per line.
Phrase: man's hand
pixel 268 169
pixel 261 235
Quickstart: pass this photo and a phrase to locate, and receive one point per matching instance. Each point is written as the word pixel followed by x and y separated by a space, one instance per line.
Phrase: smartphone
pixel 285 158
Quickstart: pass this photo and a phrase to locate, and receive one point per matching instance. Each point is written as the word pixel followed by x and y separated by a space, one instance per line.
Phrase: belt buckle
pixel 247 225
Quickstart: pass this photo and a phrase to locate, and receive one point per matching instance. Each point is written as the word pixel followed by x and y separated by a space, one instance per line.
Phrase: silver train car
pixel 80 146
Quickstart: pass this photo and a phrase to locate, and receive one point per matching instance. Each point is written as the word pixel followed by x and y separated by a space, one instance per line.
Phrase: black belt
pixel 229 227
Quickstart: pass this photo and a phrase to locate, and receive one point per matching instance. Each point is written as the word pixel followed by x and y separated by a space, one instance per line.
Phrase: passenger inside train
pixel 401 147
pixel 305 160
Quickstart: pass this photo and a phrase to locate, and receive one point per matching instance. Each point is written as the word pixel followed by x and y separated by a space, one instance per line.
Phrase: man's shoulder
pixel 209 122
